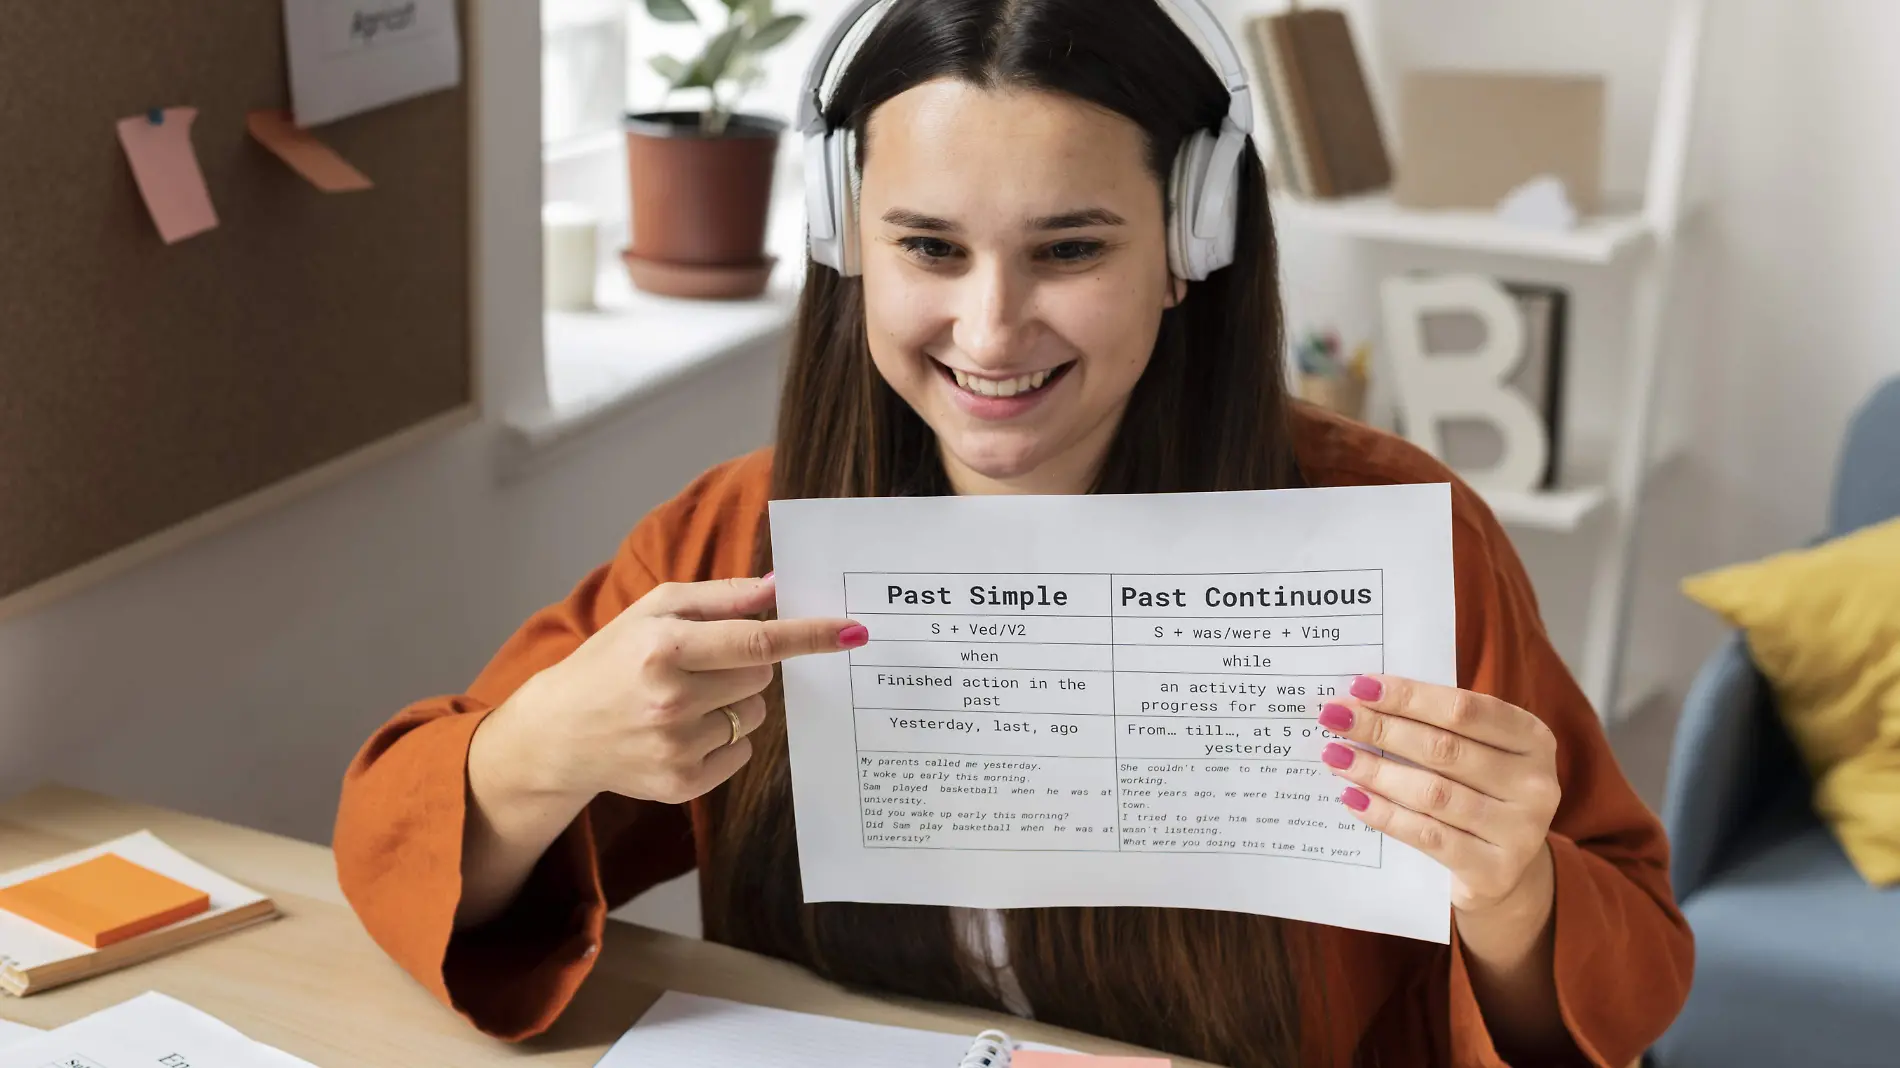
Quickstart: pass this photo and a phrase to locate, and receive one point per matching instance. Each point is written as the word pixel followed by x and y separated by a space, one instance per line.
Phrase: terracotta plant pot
pixel 700 204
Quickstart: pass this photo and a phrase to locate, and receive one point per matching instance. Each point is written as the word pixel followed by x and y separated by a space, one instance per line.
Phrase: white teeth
pixel 1003 387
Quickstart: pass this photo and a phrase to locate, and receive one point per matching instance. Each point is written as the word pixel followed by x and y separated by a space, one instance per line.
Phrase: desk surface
pixel 313 984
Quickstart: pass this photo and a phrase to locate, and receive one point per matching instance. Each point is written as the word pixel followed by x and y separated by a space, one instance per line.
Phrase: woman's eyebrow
pixel 1068 220
pixel 917 220
pixel 1078 219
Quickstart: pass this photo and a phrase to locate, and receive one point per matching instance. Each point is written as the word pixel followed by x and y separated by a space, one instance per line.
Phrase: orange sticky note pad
pixel 1038 1059
pixel 306 155
pixel 103 900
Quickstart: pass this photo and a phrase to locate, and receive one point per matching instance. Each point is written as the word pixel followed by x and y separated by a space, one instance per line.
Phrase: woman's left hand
pixel 1484 790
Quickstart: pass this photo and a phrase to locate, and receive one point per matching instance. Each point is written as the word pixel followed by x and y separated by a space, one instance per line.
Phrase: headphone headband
pixel 1203 191
pixel 811 104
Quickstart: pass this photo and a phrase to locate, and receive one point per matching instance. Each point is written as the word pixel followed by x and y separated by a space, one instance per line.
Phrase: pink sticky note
pixel 1030 1058
pixel 166 170
pixel 316 161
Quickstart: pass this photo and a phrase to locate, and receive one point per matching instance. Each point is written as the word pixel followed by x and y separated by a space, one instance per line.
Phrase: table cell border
pixel 1114 703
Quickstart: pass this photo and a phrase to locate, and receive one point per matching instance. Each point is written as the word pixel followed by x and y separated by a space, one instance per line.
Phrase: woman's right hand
pixel 638 709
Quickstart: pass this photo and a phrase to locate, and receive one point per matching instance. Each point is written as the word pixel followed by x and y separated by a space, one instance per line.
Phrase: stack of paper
pixel 151 1029
pixel 58 949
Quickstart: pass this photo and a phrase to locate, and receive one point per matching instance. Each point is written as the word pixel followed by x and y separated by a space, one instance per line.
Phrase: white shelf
pixel 1560 511
pixel 1600 239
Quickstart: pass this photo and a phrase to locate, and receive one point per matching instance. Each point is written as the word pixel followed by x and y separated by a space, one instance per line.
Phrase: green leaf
pixel 670 11
pixel 774 33
pixel 735 5
pixel 669 68
pixel 718 56
pixel 694 78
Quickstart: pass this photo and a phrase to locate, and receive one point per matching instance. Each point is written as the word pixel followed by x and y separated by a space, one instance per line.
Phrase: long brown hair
pixel 1209 413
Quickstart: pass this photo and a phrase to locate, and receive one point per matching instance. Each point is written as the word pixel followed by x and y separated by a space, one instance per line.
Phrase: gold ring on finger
pixel 737 730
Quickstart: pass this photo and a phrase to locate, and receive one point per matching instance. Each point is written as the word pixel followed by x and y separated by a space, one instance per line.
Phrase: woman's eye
pixel 929 249
pixel 1074 251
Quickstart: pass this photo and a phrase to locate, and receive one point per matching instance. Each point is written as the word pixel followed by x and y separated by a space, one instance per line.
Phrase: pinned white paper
pixel 350 56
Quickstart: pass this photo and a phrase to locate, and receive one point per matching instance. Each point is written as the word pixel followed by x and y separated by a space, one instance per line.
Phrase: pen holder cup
pixel 1343 394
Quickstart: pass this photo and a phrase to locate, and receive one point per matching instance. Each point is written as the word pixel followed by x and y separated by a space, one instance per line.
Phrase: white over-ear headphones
pixel 1203 192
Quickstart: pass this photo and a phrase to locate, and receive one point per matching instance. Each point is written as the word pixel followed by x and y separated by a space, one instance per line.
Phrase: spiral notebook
pixel 686 1029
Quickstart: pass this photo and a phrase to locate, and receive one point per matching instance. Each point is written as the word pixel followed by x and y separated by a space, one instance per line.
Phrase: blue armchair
pixel 1797 958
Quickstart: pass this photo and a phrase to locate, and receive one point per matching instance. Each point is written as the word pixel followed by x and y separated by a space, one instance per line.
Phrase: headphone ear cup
pixel 843 191
pixel 1187 252
pixel 821 217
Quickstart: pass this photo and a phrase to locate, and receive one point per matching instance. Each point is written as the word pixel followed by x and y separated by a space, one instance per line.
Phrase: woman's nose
pixel 992 313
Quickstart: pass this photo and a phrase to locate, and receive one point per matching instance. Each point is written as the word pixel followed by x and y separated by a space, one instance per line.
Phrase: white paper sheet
pixel 1109 700
pixel 348 56
pixel 11 1033
pixel 151 1029
pixel 686 1029
pixel 25 944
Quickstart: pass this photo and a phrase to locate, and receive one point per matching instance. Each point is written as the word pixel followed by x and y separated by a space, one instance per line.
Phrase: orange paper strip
pixel 158 145
pixel 103 900
pixel 305 154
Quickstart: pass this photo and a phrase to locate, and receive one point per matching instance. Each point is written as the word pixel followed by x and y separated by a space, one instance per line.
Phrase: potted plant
pixel 701 181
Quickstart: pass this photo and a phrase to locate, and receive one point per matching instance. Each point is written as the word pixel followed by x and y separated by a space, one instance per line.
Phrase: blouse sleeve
pixel 1624 954
pixel 398 837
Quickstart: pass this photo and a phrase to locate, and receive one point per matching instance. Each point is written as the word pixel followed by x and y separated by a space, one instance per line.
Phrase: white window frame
pixel 585 54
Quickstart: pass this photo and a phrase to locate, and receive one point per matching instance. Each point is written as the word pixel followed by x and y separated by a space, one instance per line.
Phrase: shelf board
pixel 1599 239
pixel 1561 511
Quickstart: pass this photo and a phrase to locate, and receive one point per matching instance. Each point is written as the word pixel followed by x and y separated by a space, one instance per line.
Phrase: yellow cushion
pixel 1823 624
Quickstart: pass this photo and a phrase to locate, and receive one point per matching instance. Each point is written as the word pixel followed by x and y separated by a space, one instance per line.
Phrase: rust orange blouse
pixel 1623 952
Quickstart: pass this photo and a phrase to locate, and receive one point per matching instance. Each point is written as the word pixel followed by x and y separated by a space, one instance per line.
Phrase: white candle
pixel 569 242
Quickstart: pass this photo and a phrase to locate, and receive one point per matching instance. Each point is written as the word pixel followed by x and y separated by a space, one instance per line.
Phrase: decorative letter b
pixel 1434 388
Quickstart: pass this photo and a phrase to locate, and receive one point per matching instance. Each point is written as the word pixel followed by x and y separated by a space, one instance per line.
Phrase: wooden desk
pixel 313 984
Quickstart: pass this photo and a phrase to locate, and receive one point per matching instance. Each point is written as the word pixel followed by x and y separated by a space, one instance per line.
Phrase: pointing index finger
pixel 734 643
pixel 713 599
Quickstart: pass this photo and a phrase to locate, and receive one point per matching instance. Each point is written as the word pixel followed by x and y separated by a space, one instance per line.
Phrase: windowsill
pixel 636 346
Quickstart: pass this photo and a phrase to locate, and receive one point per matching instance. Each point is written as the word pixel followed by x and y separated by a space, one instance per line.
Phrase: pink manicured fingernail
pixel 1337 755
pixel 1366 688
pixel 767 577
pixel 1336 718
pixel 1354 798
pixel 853 636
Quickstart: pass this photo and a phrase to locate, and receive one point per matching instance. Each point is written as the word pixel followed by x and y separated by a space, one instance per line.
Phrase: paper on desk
pixel 27 945
pixel 686 1029
pixel 151 1029
pixel 1109 700
pixel 349 56
pixel 11 1033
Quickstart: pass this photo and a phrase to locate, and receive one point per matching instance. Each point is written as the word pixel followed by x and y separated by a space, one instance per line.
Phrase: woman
pixel 1016 329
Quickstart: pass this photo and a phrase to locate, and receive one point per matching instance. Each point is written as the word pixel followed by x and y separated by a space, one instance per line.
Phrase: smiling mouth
pixel 1004 387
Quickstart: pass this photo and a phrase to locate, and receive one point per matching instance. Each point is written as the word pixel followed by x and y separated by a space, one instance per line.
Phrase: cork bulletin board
pixel 143 386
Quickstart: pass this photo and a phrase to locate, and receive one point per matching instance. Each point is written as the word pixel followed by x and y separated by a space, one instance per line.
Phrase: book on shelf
pixel 1326 134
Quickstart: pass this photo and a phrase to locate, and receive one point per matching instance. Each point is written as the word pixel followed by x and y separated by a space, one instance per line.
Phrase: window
pixel 594 67
pixel 584 64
